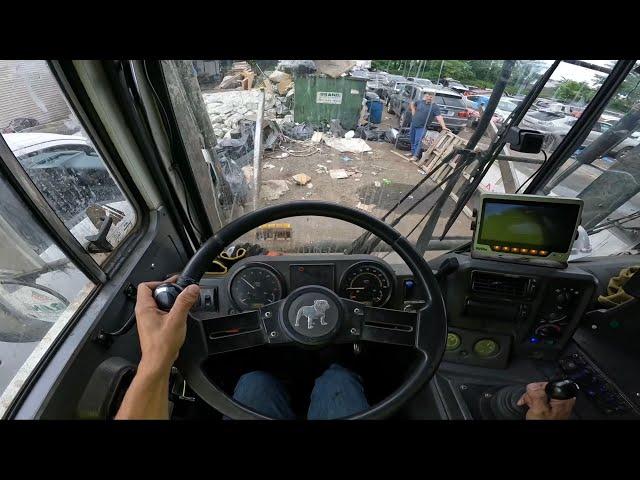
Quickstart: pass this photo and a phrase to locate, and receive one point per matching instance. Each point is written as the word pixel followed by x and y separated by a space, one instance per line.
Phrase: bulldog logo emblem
pixel 313 312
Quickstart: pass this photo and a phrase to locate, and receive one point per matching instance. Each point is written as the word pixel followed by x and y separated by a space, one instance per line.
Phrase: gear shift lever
pixel 504 403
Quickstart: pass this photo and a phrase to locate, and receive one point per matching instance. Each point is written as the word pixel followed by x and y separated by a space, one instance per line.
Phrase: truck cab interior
pixel 447 319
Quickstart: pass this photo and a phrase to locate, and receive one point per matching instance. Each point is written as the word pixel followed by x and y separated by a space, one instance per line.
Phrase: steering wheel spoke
pixel 242 330
pixel 233 332
pixel 379 325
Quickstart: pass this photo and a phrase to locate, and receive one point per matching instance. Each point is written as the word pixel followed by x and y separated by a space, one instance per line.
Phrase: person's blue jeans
pixel 416 134
pixel 337 393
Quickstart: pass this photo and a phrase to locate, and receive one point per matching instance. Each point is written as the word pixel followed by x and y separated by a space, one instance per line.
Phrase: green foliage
pixel 574 92
pixel 479 73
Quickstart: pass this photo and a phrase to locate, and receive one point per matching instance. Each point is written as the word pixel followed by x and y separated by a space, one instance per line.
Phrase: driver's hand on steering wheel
pixel 541 408
pixel 162 333
pixel 161 336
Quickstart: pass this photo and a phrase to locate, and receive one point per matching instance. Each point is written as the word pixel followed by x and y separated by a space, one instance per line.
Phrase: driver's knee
pixel 264 393
pixel 337 393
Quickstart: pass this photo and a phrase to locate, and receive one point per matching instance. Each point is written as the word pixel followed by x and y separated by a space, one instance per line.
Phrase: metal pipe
pixel 257 152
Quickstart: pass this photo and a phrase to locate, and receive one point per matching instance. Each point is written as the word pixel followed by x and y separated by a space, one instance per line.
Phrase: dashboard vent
pixel 499 285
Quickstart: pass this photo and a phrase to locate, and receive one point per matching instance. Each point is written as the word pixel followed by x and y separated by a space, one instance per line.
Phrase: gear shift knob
pixel 562 389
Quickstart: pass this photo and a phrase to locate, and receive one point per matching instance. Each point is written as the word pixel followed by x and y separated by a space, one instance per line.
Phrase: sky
pixel 579 74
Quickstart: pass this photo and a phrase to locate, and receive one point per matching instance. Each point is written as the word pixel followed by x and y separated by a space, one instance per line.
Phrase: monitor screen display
pixel 528 224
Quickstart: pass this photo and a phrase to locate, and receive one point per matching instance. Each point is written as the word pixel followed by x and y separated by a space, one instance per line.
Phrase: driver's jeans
pixel 337 393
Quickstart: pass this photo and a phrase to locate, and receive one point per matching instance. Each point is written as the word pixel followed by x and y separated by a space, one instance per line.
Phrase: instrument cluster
pixel 256 283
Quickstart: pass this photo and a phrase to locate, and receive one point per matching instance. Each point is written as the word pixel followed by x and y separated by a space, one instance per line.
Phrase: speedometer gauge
pixel 255 286
pixel 367 282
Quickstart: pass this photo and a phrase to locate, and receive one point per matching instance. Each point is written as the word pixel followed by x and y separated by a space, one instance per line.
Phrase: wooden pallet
pixel 442 146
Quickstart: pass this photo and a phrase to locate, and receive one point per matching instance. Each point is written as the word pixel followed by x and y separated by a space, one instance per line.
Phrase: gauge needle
pixel 245 281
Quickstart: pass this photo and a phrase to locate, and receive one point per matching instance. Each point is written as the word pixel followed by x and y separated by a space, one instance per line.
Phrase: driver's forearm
pixel 441 122
pixel 147 397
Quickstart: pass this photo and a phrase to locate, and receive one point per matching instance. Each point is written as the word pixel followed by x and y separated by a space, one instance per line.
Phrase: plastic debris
pixel 386 181
pixel 268 166
pixel 366 207
pixel 353 145
pixel 349 134
pixel 339 173
pixel 377 184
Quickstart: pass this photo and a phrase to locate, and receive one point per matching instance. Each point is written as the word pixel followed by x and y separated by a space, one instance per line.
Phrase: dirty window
pixel 46 137
pixel 605 173
pixel 334 130
pixel 40 289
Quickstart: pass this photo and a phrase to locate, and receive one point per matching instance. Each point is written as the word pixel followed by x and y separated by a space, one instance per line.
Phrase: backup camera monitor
pixel 530 229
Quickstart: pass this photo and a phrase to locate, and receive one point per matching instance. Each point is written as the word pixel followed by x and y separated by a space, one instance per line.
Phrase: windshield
pixel 325 138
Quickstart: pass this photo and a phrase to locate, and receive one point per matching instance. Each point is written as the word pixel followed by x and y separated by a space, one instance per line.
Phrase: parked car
pixel 477 101
pixel 504 109
pixel 452 104
pixel 556 125
pixel 454 85
pixel 51 160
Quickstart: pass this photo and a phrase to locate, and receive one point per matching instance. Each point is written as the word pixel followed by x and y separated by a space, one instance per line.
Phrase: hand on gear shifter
pixel 543 408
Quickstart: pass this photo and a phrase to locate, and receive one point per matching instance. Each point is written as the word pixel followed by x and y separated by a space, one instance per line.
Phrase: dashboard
pixel 501 316
pixel 259 280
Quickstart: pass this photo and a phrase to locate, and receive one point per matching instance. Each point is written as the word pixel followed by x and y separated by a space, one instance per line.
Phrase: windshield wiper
pixel 489 156
pixel 616 222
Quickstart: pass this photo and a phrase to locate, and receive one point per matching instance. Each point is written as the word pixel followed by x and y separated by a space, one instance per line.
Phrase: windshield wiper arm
pixel 496 146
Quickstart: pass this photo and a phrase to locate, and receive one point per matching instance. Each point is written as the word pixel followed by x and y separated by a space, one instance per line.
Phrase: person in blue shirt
pixel 423 113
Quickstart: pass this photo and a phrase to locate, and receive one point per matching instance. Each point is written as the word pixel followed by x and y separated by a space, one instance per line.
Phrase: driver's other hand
pixel 162 333
pixel 540 408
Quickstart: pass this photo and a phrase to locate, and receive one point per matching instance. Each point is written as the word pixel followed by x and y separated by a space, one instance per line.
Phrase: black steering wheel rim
pixel 431 331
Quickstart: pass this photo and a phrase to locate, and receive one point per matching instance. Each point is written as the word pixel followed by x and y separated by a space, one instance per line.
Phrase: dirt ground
pixel 382 178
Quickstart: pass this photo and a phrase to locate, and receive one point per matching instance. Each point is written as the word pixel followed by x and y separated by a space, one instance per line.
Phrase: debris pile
pixel 227 107
pixel 240 76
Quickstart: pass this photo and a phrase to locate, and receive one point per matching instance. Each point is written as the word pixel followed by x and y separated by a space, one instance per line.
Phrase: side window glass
pixel 40 290
pixel 46 137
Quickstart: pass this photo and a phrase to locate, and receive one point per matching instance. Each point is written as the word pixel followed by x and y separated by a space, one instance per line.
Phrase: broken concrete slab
pixel 273 189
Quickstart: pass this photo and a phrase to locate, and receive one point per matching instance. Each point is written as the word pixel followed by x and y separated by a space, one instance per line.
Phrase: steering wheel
pixel 279 323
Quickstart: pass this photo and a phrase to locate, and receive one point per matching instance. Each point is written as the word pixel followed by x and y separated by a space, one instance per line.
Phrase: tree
pixel 573 91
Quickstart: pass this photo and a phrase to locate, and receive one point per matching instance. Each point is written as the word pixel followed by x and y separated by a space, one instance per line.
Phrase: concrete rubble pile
pixel 226 108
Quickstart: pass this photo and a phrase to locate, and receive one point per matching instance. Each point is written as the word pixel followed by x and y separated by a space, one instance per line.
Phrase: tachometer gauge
pixel 255 286
pixel 368 283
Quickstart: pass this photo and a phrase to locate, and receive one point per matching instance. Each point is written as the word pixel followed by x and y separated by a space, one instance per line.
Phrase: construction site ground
pixel 385 176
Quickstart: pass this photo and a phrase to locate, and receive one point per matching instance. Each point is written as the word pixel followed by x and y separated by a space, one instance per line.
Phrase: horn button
pixel 311 315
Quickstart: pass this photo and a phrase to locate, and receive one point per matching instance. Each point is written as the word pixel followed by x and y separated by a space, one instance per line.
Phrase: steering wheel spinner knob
pixel 166 294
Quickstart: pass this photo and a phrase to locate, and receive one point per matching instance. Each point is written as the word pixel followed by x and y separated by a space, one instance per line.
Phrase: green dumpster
pixel 320 99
